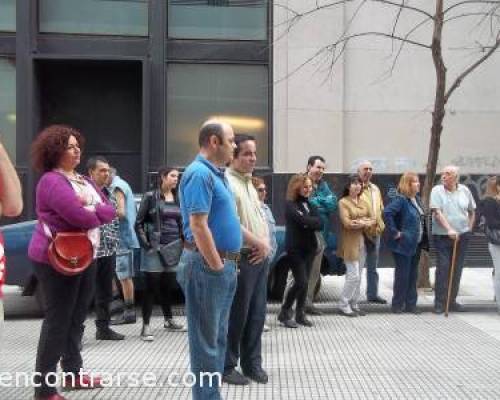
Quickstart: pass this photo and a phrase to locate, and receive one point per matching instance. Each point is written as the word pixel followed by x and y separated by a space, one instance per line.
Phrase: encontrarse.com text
pixel 119 379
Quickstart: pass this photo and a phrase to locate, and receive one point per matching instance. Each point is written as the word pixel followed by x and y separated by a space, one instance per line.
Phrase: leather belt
pixel 225 255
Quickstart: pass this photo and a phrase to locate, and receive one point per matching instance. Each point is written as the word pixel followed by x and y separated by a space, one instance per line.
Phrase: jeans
pixel 495 256
pixel 405 281
pixel 105 268
pixel 67 299
pixel 372 256
pixel 315 269
pixel 444 249
pixel 209 295
pixel 300 265
pixel 247 317
pixel 351 291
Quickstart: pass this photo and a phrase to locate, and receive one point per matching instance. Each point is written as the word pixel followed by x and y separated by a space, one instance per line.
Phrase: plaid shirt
pixel 109 233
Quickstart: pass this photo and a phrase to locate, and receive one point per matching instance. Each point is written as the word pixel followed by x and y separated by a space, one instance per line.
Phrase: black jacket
pixel 490 209
pixel 302 220
pixel 146 221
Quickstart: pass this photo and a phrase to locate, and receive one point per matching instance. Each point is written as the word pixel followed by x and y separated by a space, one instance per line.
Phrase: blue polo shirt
pixel 205 190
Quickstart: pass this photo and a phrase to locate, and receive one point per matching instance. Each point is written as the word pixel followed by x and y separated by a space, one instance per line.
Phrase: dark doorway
pixel 103 99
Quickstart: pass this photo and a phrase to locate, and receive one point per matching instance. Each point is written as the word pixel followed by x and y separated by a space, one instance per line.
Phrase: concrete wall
pixel 360 111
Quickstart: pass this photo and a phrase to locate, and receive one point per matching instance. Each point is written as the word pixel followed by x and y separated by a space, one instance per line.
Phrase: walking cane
pixel 452 271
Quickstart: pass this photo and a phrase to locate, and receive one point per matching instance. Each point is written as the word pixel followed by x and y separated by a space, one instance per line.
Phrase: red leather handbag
pixel 70 253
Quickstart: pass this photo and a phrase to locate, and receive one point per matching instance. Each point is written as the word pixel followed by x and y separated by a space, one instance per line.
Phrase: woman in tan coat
pixel 355 217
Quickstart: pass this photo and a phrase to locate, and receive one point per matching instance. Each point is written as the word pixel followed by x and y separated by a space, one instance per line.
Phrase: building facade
pixel 138 77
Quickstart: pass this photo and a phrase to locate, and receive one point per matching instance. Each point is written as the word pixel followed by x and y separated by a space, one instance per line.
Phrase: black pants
pixel 300 264
pixel 247 317
pixel 67 299
pixel 159 285
pixel 444 252
pixel 105 268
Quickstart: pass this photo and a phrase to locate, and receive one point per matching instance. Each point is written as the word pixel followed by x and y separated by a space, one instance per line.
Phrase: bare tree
pixel 428 16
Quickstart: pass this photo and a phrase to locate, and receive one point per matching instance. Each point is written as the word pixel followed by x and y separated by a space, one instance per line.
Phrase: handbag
pixel 493 235
pixel 69 253
pixel 169 254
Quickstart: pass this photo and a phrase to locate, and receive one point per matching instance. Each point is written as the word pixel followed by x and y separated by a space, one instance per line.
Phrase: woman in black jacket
pixel 302 220
pixel 490 210
pixel 158 222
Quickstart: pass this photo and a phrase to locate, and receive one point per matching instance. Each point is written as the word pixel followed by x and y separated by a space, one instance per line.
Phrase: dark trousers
pixel 159 285
pixel 300 264
pixel 405 281
pixel 247 317
pixel 105 268
pixel 444 250
pixel 67 299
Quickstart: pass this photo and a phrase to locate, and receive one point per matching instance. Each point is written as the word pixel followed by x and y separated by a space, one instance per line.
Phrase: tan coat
pixel 351 238
pixel 371 194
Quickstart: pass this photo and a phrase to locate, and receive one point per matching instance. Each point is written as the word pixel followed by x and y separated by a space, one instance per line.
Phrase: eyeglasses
pixel 261 190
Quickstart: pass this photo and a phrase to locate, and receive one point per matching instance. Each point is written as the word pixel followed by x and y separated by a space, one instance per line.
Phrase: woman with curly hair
pixel 65 202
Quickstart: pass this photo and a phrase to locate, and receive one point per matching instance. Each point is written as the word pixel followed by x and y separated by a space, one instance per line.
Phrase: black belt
pixel 225 255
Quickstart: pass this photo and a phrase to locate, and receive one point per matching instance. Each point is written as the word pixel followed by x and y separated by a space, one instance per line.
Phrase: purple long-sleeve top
pixel 59 207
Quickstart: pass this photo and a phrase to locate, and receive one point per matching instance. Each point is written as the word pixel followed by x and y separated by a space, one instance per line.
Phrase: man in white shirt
pixel 453 213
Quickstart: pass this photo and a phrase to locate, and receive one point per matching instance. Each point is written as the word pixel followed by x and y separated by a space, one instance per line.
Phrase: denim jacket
pixel 128 238
pixel 401 215
pixel 325 202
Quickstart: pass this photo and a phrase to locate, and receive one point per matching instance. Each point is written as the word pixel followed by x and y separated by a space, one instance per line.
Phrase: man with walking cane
pixel 453 215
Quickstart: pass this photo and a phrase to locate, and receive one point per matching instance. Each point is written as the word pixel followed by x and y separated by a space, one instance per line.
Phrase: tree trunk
pixel 436 129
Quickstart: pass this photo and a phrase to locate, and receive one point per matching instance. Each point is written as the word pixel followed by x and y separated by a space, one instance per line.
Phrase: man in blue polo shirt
pixel 207 269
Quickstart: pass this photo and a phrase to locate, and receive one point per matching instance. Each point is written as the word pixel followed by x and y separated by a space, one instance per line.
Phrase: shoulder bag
pixel 170 253
pixel 69 253
pixel 493 235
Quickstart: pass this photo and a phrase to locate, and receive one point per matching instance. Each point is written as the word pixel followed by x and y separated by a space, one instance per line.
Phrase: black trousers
pixel 301 265
pixel 247 317
pixel 67 299
pixel 159 285
pixel 105 268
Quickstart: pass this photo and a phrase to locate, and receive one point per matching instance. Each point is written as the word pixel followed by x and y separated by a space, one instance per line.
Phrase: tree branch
pixel 467 2
pixel 464 74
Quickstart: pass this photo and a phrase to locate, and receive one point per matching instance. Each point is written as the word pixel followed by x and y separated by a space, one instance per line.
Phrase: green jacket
pixel 325 202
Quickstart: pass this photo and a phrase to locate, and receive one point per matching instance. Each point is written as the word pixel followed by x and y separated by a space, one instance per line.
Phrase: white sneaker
pixel 345 309
pixel 146 334
pixel 171 325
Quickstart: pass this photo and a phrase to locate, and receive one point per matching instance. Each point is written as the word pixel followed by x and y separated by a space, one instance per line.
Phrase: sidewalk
pixel 380 356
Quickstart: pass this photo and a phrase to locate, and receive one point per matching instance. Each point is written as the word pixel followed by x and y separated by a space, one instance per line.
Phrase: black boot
pixel 300 318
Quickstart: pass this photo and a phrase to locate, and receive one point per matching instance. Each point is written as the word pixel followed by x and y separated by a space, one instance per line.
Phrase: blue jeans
pixel 371 270
pixel 209 296
pixel 444 250
pixel 405 281
pixel 247 317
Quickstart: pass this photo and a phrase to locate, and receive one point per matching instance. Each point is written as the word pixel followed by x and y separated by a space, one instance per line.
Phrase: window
pixel 7 15
pixel 8 106
pixel 107 17
pixel 236 93
pixel 218 19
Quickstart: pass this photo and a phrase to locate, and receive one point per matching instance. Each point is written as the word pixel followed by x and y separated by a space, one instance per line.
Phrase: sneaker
pixel 108 334
pixel 171 325
pixel 128 317
pixel 233 377
pixel 355 308
pixel 346 310
pixel 457 307
pixel 302 320
pixel 146 334
pixel 285 319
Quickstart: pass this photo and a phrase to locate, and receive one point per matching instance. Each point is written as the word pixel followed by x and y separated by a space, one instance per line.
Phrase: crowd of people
pixel 214 222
